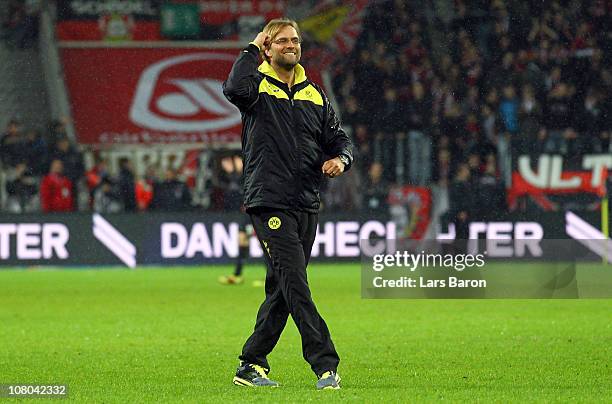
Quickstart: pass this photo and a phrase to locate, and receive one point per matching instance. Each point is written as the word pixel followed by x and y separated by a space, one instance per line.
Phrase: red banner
pixel 552 175
pixel 150 95
pixel 583 184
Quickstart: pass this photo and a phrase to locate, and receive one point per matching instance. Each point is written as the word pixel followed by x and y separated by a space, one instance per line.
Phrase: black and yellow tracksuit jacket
pixel 286 134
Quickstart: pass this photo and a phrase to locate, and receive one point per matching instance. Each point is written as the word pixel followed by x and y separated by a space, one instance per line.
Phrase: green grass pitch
pixel 169 335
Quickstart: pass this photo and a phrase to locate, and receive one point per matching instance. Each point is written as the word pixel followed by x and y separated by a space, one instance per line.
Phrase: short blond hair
pixel 273 27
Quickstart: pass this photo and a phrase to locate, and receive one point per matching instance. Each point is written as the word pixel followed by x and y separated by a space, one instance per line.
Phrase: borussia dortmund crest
pixel 274 223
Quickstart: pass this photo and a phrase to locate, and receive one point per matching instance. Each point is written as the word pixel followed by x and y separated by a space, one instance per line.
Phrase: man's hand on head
pixel 333 167
pixel 261 40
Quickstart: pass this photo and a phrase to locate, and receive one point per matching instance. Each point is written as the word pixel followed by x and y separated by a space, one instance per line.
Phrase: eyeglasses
pixel 285 41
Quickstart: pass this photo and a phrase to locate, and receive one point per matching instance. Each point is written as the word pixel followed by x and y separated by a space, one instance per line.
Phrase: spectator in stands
pixel 592 122
pixel 11 144
pixel 508 113
pixel 127 185
pixel 503 74
pixel 462 202
pixel 376 190
pixel 365 146
pixel 70 156
pixel 72 161
pixel 477 142
pixel 391 124
pixel 419 138
pixel 489 124
pixel 474 165
pixel 57 130
pixel 508 110
pixel 443 167
pixel 354 115
pixel 144 188
pixel 230 183
pixel 106 198
pixel 597 73
pixel 94 177
pixel 452 121
pixel 35 152
pixel 559 119
pixel 171 194
pixel 56 190
pixel 21 188
pixel 530 117
pixel 490 201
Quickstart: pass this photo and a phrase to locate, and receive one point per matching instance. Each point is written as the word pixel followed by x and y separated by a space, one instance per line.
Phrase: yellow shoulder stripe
pixel 266 87
pixel 309 93
pixel 266 68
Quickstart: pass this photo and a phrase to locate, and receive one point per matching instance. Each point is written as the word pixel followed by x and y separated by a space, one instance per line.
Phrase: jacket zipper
pixel 298 178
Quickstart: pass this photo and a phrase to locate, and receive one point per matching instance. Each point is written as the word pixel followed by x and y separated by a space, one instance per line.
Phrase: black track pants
pixel 287 238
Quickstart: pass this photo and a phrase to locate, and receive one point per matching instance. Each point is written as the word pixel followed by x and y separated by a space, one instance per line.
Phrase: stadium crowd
pixel 45 171
pixel 450 102
pixel 445 101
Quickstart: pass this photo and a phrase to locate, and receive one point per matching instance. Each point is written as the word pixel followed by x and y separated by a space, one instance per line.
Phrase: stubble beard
pixel 286 64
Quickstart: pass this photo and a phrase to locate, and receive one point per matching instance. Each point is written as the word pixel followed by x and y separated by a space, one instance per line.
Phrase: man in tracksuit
pixel 291 138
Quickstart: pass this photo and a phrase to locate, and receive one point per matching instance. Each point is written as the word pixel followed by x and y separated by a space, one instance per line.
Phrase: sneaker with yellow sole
pixel 250 375
pixel 329 380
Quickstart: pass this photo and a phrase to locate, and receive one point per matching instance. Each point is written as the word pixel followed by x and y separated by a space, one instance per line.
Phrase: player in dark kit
pixel 245 231
pixel 288 128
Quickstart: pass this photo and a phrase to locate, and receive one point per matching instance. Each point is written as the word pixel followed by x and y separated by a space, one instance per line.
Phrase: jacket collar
pixel 266 68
